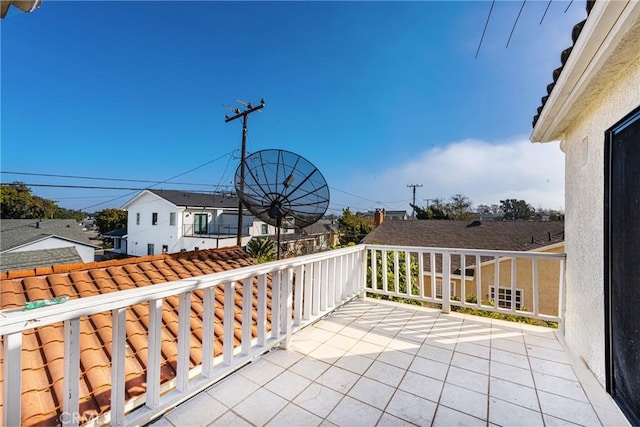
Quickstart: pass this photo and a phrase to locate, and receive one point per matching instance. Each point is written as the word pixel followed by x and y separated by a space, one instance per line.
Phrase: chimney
pixel 378 217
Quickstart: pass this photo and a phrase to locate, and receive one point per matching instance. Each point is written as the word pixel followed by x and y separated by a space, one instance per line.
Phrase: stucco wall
pixel 584 206
pixel 87 253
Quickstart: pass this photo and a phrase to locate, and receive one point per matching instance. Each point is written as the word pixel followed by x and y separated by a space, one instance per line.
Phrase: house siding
pixel 584 203
pixel 87 253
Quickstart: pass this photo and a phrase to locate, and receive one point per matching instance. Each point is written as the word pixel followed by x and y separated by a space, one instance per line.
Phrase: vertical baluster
pixel 385 279
pixel 514 261
pixel 208 336
pixel 262 310
pixel 463 273
pixel 478 281
pixel 308 291
pixel 287 302
pixel 446 282
pixel 396 273
pixel 374 270
pixel 184 341
pixel 534 284
pixel 71 380
pixel 324 289
pixel 154 335
pixel 276 304
pixel 421 273
pixel 496 282
pixel 12 371
pixel 247 315
pixel 432 259
pixel 331 283
pixel 228 323
pixel 408 276
pixel 118 342
pixel 297 294
pixel 316 288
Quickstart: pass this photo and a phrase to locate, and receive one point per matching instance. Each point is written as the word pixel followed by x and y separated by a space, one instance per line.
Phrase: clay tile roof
pixel 564 56
pixel 43 365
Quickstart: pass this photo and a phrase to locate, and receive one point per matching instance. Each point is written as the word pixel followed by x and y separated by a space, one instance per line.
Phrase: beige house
pixel 491 235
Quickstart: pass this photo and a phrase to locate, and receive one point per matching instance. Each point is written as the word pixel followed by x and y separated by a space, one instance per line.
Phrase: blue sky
pixel 377 95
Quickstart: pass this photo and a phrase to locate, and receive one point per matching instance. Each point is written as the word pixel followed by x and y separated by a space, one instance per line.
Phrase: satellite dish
pixel 282 188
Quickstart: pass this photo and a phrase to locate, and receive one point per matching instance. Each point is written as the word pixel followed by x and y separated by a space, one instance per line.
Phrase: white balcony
pixel 333 356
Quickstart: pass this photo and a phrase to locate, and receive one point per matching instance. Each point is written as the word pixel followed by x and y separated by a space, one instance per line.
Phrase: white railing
pixel 475 279
pixel 302 290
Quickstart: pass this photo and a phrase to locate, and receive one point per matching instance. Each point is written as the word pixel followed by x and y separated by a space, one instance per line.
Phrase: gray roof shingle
pixel 26 260
pixel 492 235
pixel 17 232
pixel 205 200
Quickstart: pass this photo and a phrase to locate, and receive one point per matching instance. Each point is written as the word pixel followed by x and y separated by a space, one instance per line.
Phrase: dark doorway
pixel 622 264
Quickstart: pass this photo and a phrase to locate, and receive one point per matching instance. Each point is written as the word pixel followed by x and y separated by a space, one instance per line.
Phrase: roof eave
pixel 607 23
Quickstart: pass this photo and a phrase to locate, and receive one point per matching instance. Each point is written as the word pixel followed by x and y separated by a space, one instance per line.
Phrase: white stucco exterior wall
pixel 87 253
pixel 140 235
pixel 584 224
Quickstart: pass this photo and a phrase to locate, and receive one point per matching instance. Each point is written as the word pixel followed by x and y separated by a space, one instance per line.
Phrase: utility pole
pixel 413 213
pixel 245 115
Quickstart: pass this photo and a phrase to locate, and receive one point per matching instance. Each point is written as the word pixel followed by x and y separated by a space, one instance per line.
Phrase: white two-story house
pixel 168 221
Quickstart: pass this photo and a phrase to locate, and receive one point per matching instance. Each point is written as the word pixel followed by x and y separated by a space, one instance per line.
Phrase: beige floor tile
pixel 283 357
pixel 562 370
pixel 260 407
pixel 288 385
pixel 559 386
pixel 411 408
pixel 388 420
pixel 318 399
pixel 507 414
pixel 511 373
pixel 464 400
pixel 385 373
pixel 473 349
pixel 294 416
pixel 396 358
pixel 419 385
pixel 352 412
pixel 338 379
pixel 261 371
pixel 230 419
pixel 568 409
pixel 184 415
pixel 510 358
pixel 233 390
pixel 468 379
pixel 309 368
pixel 429 367
pixel 472 363
pixel 438 354
pixel 354 363
pixel 327 353
pixel 450 417
pixel 514 393
pixel 372 392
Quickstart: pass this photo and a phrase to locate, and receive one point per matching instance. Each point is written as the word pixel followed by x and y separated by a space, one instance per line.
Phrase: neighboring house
pixel 317 237
pixel 396 215
pixel 503 235
pixel 43 348
pixel 593 108
pixel 31 243
pixel 119 237
pixel 173 221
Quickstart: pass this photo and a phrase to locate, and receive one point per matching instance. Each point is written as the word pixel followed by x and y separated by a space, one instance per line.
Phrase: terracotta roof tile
pixel 42 361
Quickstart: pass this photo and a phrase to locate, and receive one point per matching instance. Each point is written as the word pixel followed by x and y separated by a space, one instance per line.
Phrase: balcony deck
pixel 380 363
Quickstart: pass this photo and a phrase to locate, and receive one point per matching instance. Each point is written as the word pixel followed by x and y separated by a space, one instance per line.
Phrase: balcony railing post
pixel 446 282
pixel 118 337
pixel 287 302
pixel 12 374
pixel 71 380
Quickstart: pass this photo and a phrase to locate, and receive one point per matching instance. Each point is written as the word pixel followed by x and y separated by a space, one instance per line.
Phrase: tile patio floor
pixel 379 363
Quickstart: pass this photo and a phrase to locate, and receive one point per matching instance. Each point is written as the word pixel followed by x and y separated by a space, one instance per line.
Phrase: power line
pixel 413 207
pixel 545 12
pixel 95 178
pixel 486 24
pixel 515 23
pixel 570 3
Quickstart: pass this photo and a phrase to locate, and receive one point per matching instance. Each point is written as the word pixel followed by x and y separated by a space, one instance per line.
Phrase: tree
pixel 516 209
pixel 460 207
pixel 17 202
pixel 110 219
pixel 352 227
pixel 63 213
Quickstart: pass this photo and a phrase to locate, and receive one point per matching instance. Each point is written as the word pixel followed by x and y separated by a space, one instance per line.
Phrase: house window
pixel 150 250
pixel 200 224
pixel 503 298
pixel 172 218
pixel 265 229
pixel 116 244
pixel 138 218
pixel 165 249
pixel 452 291
pixel 154 218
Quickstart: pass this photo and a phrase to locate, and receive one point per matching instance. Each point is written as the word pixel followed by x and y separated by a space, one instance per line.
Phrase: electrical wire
pixel 515 23
pixel 95 178
pixel 570 3
pixel 486 24
pixel 545 12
